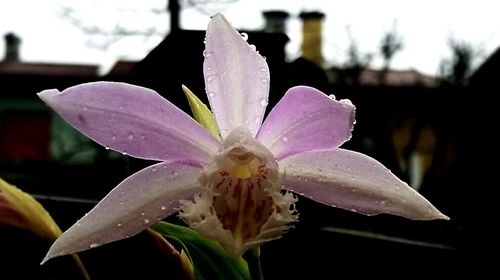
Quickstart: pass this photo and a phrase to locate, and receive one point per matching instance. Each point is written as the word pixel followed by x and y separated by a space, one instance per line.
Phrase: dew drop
pixel 244 36
pixel 93 245
pixel 119 225
pixel 113 137
pixel 263 80
pixel 263 69
pixel 208 68
pixel 121 203
pixel 146 221
pixel 163 207
pixel 142 213
pixel 106 147
pixel 206 54
pixel 153 169
pixel 264 58
pixel 332 97
pixel 253 48
pixel 173 174
pixel 211 78
pixel 211 94
pixel 263 102
pixel 131 136
pixel 124 153
pixel 285 139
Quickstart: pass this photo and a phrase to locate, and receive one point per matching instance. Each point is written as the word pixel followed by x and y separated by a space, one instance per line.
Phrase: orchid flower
pixel 236 190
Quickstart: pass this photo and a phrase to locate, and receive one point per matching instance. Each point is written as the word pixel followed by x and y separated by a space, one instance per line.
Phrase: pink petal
pixel 135 204
pixel 355 182
pixel 236 78
pixel 133 120
pixel 306 119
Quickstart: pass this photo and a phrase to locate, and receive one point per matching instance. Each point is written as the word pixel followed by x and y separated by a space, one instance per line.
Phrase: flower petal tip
pixel 48 94
pixel 442 216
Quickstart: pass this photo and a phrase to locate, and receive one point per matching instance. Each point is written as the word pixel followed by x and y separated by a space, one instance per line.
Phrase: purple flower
pixel 230 191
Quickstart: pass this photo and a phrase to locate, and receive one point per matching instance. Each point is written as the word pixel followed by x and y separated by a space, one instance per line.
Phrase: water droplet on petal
pixel 263 69
pixel 142 213
pixel 263 80
pixel 93 245
pixel 106 147
pixel 131 136
pixel 113 137
pixel 285 139
pixel 163 207
pixel 121 203
pixel 244 36
pixel 119 225
pixel 146 221
pixel 211 94
pixel 206 54
pixel 208 68
pixel 211 78
pixel 331 96
pixel 173 174
pixel 124 153
pixel 253 48
pixel 153 169
pixel 263 102
pixel 264 58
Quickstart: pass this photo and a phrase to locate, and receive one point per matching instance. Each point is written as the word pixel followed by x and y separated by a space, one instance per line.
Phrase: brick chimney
pixel 12 46
pixel 311 36
pixel 275 21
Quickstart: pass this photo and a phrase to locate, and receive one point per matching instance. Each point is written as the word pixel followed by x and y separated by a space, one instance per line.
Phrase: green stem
pixel 253 259
pixel 80 265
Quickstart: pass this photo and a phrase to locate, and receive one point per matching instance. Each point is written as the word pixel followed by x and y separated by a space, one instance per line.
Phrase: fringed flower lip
pixel 229 190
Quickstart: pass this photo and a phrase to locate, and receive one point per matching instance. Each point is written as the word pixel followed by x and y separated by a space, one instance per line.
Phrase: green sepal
pixel 201 113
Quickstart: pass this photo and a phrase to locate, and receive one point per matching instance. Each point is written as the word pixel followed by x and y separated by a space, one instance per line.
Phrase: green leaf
pixel 201 113
pixel 209 258
pixel 21 210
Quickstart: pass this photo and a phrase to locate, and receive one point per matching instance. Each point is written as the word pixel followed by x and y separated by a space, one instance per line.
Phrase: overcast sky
pixel 425 26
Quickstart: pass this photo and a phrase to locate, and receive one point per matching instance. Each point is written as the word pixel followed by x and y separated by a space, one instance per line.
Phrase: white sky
pixel 426 26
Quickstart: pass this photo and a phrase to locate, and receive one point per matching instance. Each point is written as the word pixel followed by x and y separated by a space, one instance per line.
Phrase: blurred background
pixel 421 74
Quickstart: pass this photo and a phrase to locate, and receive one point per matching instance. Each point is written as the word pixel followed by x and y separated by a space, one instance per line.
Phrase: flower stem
pixel 80 265
pixel 253 259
